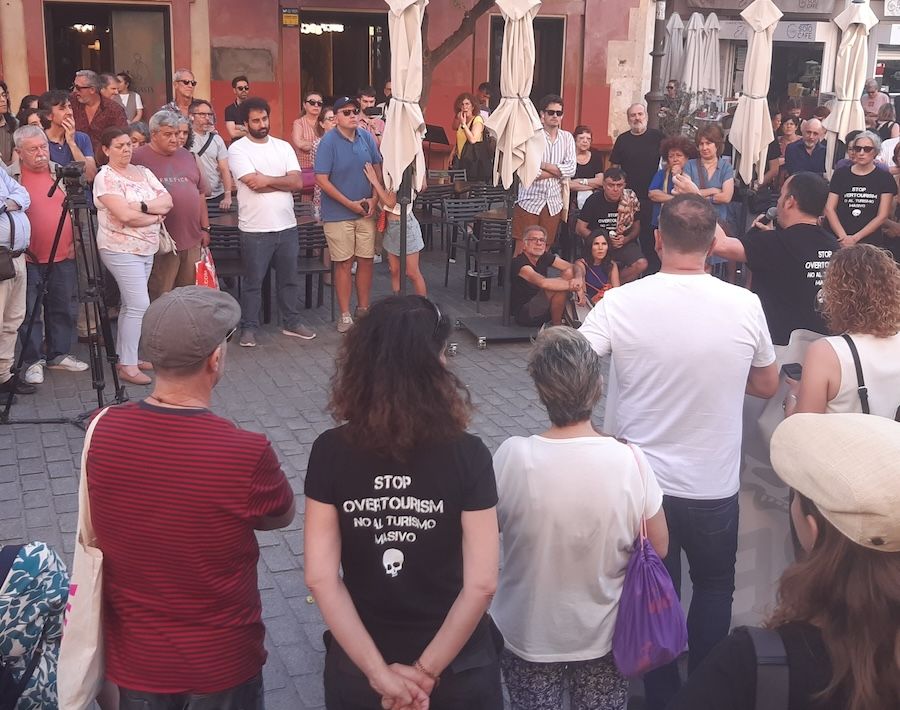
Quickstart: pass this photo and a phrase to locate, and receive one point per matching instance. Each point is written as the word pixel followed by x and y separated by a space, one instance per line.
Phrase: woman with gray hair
pixel 860 195
pixel 570 506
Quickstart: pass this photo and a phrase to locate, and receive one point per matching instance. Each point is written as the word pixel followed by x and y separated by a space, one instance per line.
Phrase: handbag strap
pixel 7 557
pixel 772 669
pixel 861 388
pixel 12 230
pixel 85 526
pixel 209 139
pixel 643 531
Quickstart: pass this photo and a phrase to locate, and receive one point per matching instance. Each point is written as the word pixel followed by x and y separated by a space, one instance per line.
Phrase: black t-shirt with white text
pixel 859 197
pixel 788 266
pixel 600 213
pixel 639 158
pixel 401 530
pixel 522 291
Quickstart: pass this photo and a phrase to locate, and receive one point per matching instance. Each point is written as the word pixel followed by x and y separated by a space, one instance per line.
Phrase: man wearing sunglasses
pixel 92 112
pixel 234 125
pixel 541 203
pixel 348 204
pixel 183 83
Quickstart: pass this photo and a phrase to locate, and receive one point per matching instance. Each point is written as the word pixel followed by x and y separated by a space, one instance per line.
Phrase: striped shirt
pixel 175 495
pixel 548 193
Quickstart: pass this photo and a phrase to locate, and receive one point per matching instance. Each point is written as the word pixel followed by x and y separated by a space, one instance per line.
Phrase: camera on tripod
pixel 72 174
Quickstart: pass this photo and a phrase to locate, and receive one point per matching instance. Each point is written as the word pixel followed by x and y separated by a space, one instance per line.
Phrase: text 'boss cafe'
pixel 805 45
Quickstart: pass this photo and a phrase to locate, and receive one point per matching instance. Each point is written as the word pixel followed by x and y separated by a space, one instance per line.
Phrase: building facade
pixel 595 53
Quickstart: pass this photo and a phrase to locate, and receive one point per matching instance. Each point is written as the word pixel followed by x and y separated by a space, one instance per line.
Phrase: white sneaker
pixel 376 259
pixel 345 323
pixel 34 375
pixel 69 363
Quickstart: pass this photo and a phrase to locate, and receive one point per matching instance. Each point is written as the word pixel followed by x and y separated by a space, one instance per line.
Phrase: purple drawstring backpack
pixel 651 630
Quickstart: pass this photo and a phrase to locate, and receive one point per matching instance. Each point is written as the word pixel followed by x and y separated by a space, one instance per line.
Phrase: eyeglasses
pixel 536 240
pixel 862 149
pixel 313 102
pixel 230 334
pixel 75 87
pixel 349 112
pixel 203 113
pixel 242 88
pixel 187 82
pixel 551 112
pixel 328 118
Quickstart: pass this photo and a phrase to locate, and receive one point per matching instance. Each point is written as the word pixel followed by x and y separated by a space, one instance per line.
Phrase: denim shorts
pixel 414 241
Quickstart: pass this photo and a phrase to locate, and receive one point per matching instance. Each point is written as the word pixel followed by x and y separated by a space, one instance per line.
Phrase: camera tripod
pixel 76 209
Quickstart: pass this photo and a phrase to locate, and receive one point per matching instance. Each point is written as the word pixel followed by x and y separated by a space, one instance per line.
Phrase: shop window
pixel 549 46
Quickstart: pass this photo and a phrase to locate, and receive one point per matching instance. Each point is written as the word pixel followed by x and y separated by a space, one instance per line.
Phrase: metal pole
pixel 405 199
pixel 655 97
pixel 511 196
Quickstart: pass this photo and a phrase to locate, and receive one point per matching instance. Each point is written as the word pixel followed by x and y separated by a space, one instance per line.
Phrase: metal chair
pixel 486 250
pixel 494 194
pixel 303 209
pixel 451 175
pixel 311 239
pixel 459 216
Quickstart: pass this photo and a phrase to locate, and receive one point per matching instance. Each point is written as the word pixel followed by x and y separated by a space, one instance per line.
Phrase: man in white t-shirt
pixel 685 348
pixel 267 172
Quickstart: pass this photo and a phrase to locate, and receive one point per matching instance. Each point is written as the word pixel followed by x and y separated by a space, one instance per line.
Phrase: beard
pixel 261 133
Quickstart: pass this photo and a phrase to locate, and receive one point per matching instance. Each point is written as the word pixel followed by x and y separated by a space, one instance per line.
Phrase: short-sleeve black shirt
pixel 859 197
pixel 591 167
pixel 788 266
pixel 233 113
pixel 522 291
pixel 401 530
pixel 639 158
pixel 600 213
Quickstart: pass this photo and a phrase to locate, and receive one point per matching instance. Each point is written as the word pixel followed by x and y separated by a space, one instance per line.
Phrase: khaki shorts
pixel 351 237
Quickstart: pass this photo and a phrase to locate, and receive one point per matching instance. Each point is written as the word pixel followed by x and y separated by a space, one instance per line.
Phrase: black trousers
pixel 246 696
pixel 471 682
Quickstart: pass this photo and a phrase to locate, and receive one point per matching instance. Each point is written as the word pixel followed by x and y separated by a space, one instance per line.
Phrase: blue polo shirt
pixel 342 161
pixel 797 159
pixel 61 153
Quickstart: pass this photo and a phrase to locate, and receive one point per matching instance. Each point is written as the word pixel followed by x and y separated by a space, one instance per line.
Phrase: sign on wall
pixel 140 49
pixel 803 7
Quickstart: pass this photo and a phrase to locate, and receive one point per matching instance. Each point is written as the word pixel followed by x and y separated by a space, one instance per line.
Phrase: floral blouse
pixel 112 235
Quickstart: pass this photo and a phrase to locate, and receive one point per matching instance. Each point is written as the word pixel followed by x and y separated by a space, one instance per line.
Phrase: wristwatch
pixel 583 181
pixel 205 229
pixel 144 208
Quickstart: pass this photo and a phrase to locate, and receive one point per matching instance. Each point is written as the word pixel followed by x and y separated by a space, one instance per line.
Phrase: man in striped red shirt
pixel 176 493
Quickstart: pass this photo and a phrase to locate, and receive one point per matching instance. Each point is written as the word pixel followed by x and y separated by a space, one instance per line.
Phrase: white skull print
pixel 392 561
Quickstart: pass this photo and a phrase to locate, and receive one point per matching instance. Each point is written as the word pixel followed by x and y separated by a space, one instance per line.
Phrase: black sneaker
pixel 248 339
pixel 20 387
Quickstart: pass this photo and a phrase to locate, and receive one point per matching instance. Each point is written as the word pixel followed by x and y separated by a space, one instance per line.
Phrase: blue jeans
pixel 247 696
pixel 259 251
pixel 707 531
pixel 60 312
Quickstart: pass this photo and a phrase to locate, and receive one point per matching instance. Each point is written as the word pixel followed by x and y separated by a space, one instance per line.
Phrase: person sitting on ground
pixel 837 609
pixel 787 257
pixel 616 211
pixel 860 300
pixel 414 241
pixel 537 298
pixel 410 608
pixel 571 504
pixel 601 273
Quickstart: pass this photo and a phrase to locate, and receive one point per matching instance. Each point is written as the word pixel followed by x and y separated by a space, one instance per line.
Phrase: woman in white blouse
pixel 131 205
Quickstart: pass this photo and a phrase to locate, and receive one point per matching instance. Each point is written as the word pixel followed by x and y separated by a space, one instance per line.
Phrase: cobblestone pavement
pixel 280 389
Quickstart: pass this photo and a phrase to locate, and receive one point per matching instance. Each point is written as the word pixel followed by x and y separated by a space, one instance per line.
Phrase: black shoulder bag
pixel 861 388
pixel 209 139
pixel 772 669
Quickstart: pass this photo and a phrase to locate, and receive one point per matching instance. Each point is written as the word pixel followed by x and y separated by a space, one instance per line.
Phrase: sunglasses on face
pixel 670 87
pixel 313 102
pixel 75 87
pixel 551 112
pixel 349 112
pixel 242 88
pixel 862 149
pixel 187 82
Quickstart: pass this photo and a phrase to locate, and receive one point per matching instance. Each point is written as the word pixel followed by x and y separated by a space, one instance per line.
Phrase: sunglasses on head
pixel 552 112
pixel 349 112
pixel 863 148
pixel 313 102
pixel 187 82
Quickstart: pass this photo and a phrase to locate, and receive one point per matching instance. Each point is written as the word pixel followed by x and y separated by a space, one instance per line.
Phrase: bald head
pixel 813 132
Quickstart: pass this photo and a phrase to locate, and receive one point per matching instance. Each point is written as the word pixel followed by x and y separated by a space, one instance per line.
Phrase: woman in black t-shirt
pixel 886 125
pixel 838 611
pixel 860 196
pixel 588 168
pixel 402 501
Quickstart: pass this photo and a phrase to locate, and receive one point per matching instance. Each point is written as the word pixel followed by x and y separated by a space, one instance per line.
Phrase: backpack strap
pixel 7 557
pixel 861 388
pixel 772 669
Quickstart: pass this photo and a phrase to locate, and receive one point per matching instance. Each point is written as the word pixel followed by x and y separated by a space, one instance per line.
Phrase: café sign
pixel 802 7
pixel 790 31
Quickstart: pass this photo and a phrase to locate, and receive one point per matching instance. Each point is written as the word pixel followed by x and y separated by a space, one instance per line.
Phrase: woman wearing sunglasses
pixel 305 132
pixel 860 195
pixel 403 500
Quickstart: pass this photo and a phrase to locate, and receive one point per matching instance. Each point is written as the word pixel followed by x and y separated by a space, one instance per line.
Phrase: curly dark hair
pixel 391 385
pixel 682 144
pixel 861 292
pixel 457 103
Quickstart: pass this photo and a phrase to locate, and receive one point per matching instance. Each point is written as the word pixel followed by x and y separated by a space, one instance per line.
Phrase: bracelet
pixel 422 669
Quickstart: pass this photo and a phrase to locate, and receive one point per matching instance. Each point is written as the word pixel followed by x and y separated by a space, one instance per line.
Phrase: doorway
pixel 110 38
pixel 796 73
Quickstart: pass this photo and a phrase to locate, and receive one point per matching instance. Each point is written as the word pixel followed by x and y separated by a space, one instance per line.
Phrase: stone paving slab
pixel 279 388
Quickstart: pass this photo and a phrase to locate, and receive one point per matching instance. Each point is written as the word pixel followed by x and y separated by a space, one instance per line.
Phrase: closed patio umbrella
pixel 711 80
pixel 692 72
pixel 404 126
pixel 849 75
pixel 673 61
pixel 515 121
pixel 751 130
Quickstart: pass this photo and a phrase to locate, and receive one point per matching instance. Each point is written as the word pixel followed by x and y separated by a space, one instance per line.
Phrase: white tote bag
pixel 80 674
